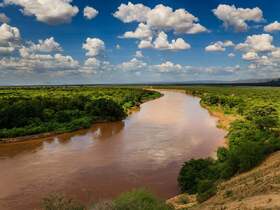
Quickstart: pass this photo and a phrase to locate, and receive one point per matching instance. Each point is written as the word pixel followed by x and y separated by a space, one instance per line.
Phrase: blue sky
pixel 213 40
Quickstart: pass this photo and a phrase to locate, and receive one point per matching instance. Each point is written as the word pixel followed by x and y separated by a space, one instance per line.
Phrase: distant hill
pixel 273 82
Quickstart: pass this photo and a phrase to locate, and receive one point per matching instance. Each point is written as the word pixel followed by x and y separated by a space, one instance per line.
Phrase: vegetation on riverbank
pixel 28 111
pixel 251 138
pixel 134 200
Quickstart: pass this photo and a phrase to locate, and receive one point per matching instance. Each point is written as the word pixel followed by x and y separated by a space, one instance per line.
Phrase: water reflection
pixel 145 150
pixel 101 131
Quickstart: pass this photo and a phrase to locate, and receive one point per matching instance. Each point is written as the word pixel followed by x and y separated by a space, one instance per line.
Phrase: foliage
pixel 250 139
pixel 205 190
pixel 26 111
pixel 139 200
pixel 263 116
pixel 192 172
pixel 60 202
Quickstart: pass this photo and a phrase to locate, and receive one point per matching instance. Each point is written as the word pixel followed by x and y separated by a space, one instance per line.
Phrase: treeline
pixel 250 139
pixel 26 111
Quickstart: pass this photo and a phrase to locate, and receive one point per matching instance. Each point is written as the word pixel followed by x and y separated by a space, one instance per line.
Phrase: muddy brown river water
pixel 145 150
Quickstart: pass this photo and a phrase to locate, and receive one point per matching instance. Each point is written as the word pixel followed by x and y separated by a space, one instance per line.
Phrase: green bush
pixel 192 172
pixel 205 190
pixel 249 154
pixel 263 116
pixel 139 200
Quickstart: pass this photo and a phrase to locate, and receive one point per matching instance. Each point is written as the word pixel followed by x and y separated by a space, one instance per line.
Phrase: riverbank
pixel 252 177
pixel 186 201
pixel 128 111
pixel 224 120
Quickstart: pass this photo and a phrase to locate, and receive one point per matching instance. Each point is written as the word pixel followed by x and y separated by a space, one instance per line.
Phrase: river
pixel 145 150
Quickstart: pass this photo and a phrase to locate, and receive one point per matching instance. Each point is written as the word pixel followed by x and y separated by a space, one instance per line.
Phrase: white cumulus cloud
pixel 90 12
pixel 161 43
pixel 9 38
pixel 181 21
pixel 132 12
pixel 168 67
pixel 237 17
pixel 160 18
pixel 272 27
pixel 94 47
pixel 257 43
pixel 219 46
pixel 52 12
pixel 47 45
pixel 142 32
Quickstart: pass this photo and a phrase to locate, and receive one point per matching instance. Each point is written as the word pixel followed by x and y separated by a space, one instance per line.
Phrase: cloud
pixel 145 44
pixel 132 65
pixel 47 45
pixel 6 50
pixel 39 63
pixel 231 55
pixel 161 43
pixel 215 48
pixel 250 56
pixel 237 17
pixel 139 54
pixel 95 66
pixel 157 21
pixel 118 47
pixel 90 12
pixel 94 46
pixel 160 18
pixel 219 46
pixel 141 32
pixel 276 53
pixel 262 56
pixel 52 12
pixel 168 66
pixel 180 20
pixel 132 12
pixel 257 43
pixel 272 27
pixel 9 39
pixel 4 18
pixel 8 34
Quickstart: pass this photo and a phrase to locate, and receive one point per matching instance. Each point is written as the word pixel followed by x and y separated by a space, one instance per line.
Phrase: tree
pixel 263 116
pixel 193 171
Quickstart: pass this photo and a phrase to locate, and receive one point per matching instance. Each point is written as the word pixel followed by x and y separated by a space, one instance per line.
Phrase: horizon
pixel 137 42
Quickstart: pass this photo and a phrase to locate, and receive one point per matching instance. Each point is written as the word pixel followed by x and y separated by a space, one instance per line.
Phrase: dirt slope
pixel 256 189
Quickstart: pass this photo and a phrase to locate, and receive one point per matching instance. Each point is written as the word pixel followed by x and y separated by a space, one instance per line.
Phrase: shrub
pixel 205 190
pixel 139 200
pixel 222 154
pixel 60 202
pixel 105 109
pixel 249 154
pixel 263 116
pixel 193 171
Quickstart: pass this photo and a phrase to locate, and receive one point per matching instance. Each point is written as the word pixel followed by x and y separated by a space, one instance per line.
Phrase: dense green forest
pixel 33 110
pixel 250 138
